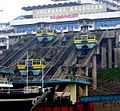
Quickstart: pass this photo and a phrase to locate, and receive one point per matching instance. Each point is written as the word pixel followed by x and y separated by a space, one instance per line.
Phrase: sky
pixel 10 9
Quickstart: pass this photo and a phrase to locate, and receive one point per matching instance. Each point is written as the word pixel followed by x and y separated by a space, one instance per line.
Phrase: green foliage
pixel 109 74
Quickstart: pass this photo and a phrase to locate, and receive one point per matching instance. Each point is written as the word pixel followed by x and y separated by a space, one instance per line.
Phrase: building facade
pixel 64 16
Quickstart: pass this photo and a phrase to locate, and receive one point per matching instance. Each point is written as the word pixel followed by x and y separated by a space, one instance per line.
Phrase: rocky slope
pixel 106 87
pixel 108 82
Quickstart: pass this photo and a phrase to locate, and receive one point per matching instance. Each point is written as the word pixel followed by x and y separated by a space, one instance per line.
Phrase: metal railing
pixel 4 69
pixel 3 81
pixel 49 78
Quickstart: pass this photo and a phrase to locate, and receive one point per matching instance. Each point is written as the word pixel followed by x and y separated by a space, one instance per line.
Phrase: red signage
pixel 64 16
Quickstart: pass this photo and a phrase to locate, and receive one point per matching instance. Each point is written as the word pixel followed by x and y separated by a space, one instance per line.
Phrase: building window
pixel 100 6
pixel 45 11
pixel 48 10
pixel 54 10
pixel 73 8
pixel 77 8
pixel 2 40
pixel 59 9
pixel 96 6
pixel 51 10
pixel 83 8
pixel 68 8
pixel 41 11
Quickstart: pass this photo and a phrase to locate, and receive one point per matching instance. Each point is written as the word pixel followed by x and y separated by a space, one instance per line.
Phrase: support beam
pixel 7 42
pixel 103 58
pixel 73 93
pixel 79 91
pixel 109 53
pixel 97 51
pixel 117 40
pixel 115 57
pixel 85 90
pixel 94 73
pixel 86 71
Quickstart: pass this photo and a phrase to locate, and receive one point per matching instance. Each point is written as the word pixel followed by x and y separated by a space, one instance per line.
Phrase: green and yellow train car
pixel 34 65
pixel 83 41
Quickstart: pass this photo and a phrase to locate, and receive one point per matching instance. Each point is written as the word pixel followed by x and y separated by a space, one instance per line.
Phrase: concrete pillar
pixel 94 73
pixel 7 42
pixel 98 49
pixel 73 93
pixel 86 71
pixel 115 58
pixel 15 30
pixel 85 90
pixel 109 53
pixel 103 58
pixel 62 34
pixel 79 91
pixel 117 40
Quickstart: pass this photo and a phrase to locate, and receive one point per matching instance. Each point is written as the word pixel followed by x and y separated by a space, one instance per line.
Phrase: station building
pixel 66 16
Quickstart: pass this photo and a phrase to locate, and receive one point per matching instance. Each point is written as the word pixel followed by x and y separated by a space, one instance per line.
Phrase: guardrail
pixel 2 81
pixel 4 69
pixel 49 78
pixel 20 90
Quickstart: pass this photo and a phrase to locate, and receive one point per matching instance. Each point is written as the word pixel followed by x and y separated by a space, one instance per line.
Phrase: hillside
pixel 108 82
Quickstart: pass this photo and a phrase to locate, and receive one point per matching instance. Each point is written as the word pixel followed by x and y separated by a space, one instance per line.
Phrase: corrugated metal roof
pixel 28 8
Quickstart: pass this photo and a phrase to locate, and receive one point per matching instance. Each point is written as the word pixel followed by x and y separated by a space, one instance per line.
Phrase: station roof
pixel 28 8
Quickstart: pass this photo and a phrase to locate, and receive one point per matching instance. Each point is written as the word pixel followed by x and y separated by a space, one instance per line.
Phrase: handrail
pixel 70 77
pixel 64 77
pixel 5 82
